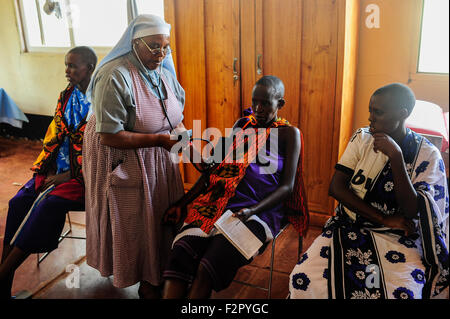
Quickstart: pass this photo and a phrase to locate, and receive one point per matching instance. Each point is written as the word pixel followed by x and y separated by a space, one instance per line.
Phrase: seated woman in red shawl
pixel 262 186
pixel 34 225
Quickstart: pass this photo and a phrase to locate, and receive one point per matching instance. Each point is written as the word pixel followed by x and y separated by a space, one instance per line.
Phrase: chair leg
pixel 70 222
pixel 61 237
pixel 70 231
pixel 300 247
pixel 271 268
pixel 269 292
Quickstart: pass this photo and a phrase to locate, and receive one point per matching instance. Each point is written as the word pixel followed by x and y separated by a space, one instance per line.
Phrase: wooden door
pixel 206 36
pixel 304 43
pixel 301 42
pixel 297 42
pixel 317 96
pixel 222 63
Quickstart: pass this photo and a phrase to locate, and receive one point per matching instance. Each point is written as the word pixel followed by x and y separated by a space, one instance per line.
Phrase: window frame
pixel 25 47
pixel 416 30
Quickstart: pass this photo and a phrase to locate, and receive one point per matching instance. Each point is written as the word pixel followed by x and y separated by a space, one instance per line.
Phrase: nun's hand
pixel 167 141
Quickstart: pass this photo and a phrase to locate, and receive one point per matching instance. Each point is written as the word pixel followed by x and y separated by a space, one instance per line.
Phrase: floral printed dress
pixel 355 259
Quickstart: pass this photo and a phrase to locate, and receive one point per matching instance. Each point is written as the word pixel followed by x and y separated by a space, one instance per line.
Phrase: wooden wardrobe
pixel 221 48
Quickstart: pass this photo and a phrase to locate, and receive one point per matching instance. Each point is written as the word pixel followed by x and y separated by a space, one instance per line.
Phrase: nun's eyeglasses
pixel 156 51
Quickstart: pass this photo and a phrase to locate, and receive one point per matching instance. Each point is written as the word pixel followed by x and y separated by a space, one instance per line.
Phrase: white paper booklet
pixel 238 234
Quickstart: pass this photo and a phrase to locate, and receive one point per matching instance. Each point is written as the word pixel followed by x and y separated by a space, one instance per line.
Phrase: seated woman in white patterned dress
pixel 389 237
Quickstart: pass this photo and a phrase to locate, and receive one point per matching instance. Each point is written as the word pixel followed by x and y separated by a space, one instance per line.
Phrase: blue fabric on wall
pixel 10 112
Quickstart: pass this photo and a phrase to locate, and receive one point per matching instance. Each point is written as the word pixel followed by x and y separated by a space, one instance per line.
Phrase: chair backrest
pixel 434 139
pixel 428 118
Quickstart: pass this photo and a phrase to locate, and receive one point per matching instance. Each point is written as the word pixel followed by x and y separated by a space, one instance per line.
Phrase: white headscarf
pixel 142 26
pixel 147 24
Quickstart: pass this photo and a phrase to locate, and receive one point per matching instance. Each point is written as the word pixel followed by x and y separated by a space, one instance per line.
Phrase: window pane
pixel 31 23
pixel 94 22
pixel 155 7
pixel 99 22
pixel 434 52
pixel 55 28
pixel 56 31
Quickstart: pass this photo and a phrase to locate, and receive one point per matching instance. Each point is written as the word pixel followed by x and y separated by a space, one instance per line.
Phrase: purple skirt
pixel 42 229
pixel 219 257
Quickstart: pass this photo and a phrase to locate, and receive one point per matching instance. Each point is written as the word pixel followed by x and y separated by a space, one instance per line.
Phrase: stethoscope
pixel 149 78
pixel 157 86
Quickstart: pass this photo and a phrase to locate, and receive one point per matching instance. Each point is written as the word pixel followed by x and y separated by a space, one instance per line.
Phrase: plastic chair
pixel 272 257
pixel 428 118
pixel 436 140
pixel 65 234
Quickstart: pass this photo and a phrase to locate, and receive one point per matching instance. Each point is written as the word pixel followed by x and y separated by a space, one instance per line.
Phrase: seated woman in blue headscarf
pixel 34 226
pixel 389 238
pixel 131 177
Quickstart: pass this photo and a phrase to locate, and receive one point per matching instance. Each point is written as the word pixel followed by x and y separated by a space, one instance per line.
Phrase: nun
pixel 131 177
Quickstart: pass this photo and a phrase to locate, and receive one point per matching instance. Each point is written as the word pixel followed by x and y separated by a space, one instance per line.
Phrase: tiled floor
pixel 52 278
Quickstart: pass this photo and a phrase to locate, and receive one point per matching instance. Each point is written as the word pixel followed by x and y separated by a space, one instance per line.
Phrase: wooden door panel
pixel 222 63
pixel 300 42
pixel 317 96
pixel 207 42
pixel 299 46
pixel 282 29
pixel 191 62
pixel 248 32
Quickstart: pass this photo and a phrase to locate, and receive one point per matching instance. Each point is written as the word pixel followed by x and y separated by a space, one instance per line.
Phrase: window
pixel 151 6
pixel 433 51
pixel 59 24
